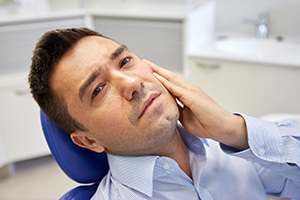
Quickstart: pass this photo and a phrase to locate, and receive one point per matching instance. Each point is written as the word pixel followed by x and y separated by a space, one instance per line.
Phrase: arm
pixel 276 142
pixel 274 146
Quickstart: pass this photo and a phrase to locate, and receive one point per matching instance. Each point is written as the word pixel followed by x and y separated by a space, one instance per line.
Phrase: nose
pixel 128 84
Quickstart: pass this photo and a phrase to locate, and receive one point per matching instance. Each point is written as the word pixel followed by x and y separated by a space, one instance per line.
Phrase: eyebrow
pixel 118 52
pixel 97 72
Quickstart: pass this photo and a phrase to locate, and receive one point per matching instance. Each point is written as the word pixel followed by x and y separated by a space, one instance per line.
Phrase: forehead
pixel 93 44
pixel 87 53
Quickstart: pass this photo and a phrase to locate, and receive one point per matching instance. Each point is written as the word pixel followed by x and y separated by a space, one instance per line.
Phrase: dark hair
pixel 49 50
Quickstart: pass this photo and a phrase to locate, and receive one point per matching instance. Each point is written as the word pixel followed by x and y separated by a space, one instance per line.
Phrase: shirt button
pixel 261 151
pixel 166 166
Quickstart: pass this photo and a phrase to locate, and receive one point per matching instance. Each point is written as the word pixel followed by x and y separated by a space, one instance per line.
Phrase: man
pixel 108 99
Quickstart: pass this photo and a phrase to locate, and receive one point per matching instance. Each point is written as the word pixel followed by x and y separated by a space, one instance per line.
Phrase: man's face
pixel 114 94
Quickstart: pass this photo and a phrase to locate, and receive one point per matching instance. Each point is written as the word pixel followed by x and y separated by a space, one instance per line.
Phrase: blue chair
pixel 81 165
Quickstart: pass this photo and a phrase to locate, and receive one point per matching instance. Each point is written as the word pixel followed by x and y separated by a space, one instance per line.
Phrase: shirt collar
pixel 136 172
pixel 194 143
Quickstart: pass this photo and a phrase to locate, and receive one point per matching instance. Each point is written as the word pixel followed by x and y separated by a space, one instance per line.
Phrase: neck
pixel 179 152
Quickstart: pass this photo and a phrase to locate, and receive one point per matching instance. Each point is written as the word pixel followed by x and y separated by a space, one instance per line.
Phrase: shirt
pixel 269 166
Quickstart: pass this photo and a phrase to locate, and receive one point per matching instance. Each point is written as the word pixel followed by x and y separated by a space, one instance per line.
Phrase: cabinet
pixel 20 127
pixel 160 41
pixel 254 89
pixel 18 38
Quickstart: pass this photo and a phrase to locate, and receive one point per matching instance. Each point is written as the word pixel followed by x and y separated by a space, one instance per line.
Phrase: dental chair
pixel 81 165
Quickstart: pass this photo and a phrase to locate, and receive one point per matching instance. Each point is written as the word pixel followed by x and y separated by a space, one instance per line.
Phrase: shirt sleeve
pixel 275 150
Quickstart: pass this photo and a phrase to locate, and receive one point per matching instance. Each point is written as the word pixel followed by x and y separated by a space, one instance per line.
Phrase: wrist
pixel 236 134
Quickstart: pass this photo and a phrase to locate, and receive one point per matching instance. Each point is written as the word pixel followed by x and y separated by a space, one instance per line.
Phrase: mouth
pixel 147 103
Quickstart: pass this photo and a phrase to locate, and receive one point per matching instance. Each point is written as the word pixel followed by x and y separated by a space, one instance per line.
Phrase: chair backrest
pixel 80 192
pixel 81 165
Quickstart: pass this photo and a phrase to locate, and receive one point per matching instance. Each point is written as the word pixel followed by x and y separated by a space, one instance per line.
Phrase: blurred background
pixel 245 54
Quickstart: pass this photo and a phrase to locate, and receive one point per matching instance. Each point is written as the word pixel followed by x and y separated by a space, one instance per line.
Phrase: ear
pixel 83 140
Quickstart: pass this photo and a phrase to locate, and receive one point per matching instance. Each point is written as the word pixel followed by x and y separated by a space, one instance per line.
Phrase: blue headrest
pixel 81 165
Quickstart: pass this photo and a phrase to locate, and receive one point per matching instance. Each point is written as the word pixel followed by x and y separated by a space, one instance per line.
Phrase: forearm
pixel 275 148
pixel 276 142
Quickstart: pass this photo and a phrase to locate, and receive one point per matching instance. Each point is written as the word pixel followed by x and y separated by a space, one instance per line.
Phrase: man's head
pixel 48 52
pixel 102 94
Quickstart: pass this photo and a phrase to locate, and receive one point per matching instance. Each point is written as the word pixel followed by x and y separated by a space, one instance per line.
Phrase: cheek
pixel 111 117
pixel 112 130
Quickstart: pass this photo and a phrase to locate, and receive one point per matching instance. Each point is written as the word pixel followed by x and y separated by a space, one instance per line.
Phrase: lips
pixel 148 102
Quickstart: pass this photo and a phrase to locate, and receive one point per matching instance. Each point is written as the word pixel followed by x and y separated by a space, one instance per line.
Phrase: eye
pixel 125 61
pixel 97 91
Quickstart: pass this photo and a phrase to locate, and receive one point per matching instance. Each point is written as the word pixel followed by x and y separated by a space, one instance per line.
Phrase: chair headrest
pixel 81 165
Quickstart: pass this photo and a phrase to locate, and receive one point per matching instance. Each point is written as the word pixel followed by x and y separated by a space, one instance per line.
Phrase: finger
pixel 174 89
pixel 154 67
pixel 190 122
pixel 168 75
pixel 186 97
pixel 161 71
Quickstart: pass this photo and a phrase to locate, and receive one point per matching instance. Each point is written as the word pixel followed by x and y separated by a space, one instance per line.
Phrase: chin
pixel 171 119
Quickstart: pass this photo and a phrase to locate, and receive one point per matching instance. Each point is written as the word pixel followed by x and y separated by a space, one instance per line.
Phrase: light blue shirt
pixel 270 166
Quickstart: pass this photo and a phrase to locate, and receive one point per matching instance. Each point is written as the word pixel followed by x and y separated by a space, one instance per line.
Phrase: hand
pixel 201 115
